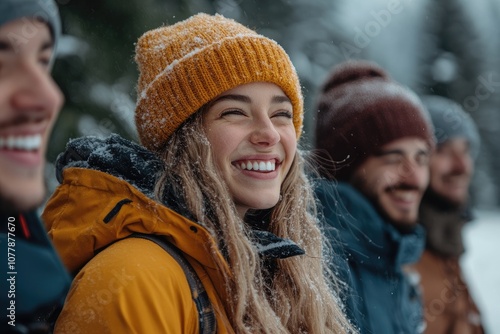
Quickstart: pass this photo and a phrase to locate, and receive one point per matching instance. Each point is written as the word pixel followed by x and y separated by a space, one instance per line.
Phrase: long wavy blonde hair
pixel 301 294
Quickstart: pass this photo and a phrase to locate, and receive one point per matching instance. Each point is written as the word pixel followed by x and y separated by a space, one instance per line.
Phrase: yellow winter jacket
pixel 133 285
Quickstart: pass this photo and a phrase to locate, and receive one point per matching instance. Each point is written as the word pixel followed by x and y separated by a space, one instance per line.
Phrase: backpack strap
pixel 206 315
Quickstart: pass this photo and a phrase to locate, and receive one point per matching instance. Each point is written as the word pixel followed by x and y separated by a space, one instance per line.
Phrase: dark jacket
pixel 34 282
pixel 382 298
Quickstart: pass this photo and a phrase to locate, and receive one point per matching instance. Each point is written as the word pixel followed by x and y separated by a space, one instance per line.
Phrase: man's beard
pixel 441 202
pixel 403 227
pixel 8 206
pixel 12 205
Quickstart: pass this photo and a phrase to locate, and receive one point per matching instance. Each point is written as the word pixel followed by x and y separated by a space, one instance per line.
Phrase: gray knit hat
pixel 451 121
pixel 45 10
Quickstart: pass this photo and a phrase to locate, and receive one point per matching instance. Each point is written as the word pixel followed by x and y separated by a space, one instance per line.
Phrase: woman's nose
pixel 264 133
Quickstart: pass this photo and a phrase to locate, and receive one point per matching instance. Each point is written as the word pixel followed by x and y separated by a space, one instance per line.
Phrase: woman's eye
pixel 284 113
pixel 232 112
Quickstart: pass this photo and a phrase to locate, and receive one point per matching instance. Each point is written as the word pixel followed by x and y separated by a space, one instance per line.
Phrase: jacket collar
pixel 367 238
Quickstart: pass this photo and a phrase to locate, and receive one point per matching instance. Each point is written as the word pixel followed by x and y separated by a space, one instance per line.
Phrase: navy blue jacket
pixel 34 281
pixel 372 253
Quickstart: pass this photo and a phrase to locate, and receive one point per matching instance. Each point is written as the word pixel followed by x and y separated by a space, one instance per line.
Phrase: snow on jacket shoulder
pixel 382 298
pixel 130 286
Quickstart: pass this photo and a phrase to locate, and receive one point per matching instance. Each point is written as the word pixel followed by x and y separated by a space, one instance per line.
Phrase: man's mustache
pixel 403 186
pixel 20 119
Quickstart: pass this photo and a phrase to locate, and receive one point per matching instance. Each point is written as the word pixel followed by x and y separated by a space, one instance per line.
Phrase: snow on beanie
pixel 451 121
pixel 45 10
pixel 360 109
pixel 184 66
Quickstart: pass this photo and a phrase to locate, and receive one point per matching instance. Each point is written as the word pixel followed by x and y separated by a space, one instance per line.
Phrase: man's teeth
pixel 258 165
pixel 405 195
pixel 26 143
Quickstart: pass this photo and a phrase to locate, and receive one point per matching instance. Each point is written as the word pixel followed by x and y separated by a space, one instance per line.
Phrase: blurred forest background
pixel 445 47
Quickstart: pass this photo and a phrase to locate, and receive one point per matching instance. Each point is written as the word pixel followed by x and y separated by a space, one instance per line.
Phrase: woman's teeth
pixel 265 166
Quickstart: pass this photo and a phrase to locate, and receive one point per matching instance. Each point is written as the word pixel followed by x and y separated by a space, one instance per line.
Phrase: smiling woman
pixel 220 111
pixel 253 138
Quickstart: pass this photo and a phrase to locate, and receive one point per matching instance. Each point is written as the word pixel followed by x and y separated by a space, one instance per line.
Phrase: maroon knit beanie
pixel 359 109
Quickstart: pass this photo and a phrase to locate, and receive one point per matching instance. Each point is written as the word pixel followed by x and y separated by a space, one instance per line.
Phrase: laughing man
pixel 373 141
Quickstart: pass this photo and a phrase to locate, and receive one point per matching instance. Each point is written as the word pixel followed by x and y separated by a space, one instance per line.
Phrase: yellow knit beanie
pixel 184 66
